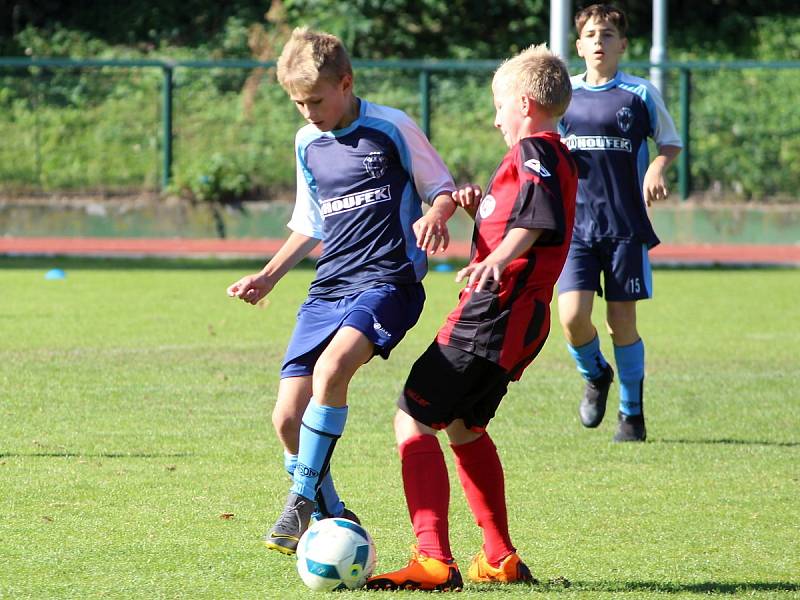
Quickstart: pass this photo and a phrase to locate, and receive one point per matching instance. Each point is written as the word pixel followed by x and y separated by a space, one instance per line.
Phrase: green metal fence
pixel 35 89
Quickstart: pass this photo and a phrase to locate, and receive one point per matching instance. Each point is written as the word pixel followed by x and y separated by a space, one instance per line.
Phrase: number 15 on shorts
pixel 633 285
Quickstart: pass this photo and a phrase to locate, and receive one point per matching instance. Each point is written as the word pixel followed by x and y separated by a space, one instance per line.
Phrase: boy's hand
pixel 251 288
pixel 468 196
pixel 482 274
pixel 431 231
pixel 654 186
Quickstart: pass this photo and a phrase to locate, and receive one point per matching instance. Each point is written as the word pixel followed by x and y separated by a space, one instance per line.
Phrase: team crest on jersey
pixel 534 165
pixel 624 119
pixel 486 207
pixel 376 164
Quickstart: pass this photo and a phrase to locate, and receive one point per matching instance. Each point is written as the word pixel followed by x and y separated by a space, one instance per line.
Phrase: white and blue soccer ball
pixel 335 554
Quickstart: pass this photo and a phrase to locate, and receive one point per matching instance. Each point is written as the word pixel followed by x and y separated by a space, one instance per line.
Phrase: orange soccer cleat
pixel 422 573
pixel 510 570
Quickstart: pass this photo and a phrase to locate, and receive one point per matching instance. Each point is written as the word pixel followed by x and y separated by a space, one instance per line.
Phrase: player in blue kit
pixel 606 128
pixel 362 171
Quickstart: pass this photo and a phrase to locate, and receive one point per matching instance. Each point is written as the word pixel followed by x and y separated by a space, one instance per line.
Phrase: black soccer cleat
pixel 293 522
pixel 593 404
pixel 630 428
pixel 346 514
pixel 350 516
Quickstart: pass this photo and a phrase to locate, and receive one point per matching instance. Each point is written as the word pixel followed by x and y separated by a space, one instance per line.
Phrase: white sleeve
pixel 431 176
pixel 307 215
pixel 664 131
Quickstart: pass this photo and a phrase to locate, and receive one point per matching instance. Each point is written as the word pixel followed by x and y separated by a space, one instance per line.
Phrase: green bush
pixel 218 179
pixel 100 128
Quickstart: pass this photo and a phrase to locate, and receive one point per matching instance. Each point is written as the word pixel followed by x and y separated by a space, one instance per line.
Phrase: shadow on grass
pixel 703 587
pixel 560 584
pixel 732 442
pixel 92 455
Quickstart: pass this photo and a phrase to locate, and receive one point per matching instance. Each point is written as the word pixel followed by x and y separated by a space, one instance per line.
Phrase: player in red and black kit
pixel 523 227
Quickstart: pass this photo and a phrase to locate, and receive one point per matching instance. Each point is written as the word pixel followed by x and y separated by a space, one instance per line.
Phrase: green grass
pixel 134 411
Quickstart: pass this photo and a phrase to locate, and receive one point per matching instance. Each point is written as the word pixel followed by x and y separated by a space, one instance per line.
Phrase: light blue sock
pixel 328 502
pixel 588 358
pixel 630 364
pixel 322 426
pixel 289 462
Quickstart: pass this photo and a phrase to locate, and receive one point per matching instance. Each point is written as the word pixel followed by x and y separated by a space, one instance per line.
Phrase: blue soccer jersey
pixel 359 190
pixel 606 128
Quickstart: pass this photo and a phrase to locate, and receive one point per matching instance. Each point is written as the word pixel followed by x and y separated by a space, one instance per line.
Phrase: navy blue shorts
pixel 383 313
pixel 625 266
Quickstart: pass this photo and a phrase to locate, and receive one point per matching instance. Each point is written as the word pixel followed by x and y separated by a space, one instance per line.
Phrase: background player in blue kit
pixel 606 127
pixel 520 241
pixel 362 170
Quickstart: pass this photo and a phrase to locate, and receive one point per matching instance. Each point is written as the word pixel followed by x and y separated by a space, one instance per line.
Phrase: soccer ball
pixel 335 554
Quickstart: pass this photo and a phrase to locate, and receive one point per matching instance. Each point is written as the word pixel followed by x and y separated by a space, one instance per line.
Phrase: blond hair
pixel 309 56
pixel 539 74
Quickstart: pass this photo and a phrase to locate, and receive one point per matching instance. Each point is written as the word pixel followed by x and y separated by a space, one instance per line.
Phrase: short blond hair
pixel 539 74
pixel 309 56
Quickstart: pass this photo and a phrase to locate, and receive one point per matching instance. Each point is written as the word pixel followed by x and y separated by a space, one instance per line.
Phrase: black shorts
pixel 447 384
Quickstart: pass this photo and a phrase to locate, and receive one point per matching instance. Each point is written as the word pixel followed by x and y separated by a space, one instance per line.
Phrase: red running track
pixel 664 254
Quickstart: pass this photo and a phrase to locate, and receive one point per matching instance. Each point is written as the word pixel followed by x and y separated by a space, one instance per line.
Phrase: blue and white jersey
pixel 359 191
pixel 606 128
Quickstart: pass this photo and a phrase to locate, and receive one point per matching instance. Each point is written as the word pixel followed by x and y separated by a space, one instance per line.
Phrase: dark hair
pixel 602 12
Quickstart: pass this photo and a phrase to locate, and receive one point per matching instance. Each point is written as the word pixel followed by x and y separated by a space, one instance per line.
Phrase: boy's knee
pixel 285 424
pixel 577 327
pixel 572 320
pixel 329 373
pixel 407 427
pixel 621 320
pixel 573 314
pixel 623 331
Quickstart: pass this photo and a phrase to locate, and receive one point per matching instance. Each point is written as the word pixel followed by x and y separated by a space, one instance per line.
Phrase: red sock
pixel 481 475
pixel 427 489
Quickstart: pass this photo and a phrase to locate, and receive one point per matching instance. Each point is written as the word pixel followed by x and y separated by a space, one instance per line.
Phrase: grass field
pixel 134 417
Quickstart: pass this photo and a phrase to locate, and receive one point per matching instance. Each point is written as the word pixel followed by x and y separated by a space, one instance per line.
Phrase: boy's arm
pixel 516 243
pixel 253 288
pixel 667 141
pixel 431 228
pixel 654 186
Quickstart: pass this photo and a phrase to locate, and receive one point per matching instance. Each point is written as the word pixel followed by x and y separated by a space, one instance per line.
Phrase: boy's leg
pixel 481 474
pixel 293 396
pixel 427 491
pixel 322 424
pixel 583 344
pixel 446 385
pixel 628 278
pixel 629 355
pixel 426 485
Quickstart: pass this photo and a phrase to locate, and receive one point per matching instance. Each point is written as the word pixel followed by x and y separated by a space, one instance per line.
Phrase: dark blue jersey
pixel 359 191
pixel 606 128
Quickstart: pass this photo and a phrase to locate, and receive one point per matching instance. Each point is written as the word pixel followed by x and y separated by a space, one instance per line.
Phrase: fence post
pixel 166 115
pixel 684 164
pixel 425 100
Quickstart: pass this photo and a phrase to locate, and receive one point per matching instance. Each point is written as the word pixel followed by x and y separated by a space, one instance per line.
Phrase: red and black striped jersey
pixel 533 188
